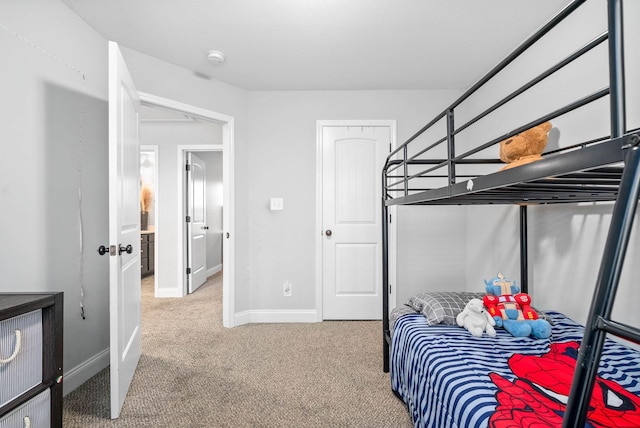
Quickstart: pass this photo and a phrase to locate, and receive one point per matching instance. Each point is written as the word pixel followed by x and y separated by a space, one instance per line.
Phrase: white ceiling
pixel 324 44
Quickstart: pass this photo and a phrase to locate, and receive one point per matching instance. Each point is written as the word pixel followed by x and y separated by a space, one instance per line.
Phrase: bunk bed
pixel 594 169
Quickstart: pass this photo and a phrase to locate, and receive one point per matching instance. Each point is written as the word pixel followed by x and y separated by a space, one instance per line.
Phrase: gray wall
pixel 282 162
pixel 53 127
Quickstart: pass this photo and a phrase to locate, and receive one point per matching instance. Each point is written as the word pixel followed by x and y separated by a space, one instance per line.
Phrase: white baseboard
pixel 241 318
pixel 214 270
pixel 276 316
pixel 84 371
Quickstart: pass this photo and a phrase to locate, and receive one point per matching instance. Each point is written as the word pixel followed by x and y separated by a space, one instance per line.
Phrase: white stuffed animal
pixel 476 319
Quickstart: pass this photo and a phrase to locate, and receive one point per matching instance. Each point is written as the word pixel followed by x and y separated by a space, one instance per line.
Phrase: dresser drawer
pixel 20 355
pixel 35 413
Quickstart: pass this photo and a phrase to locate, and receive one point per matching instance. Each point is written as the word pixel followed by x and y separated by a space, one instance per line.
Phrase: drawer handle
pixel 27 422
pixel 15 351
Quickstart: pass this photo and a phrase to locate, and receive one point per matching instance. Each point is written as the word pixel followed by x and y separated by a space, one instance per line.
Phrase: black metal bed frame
pixel 604 169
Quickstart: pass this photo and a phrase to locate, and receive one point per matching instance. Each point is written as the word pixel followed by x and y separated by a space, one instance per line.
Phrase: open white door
pixel 197 222
pixel 124 228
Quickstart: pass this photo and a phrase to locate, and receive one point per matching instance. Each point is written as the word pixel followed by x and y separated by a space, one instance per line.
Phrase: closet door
pixel 352 161
pixel 197 225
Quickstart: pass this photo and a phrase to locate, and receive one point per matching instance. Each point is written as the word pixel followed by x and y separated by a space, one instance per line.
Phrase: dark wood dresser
pixel 31 360
pixel 147 252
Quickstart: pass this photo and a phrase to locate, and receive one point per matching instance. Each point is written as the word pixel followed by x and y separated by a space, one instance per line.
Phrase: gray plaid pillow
pixel 442 307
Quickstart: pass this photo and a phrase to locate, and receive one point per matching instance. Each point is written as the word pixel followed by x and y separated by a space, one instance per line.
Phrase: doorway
pixel 148 219
pixel 175 279
pixel 203 203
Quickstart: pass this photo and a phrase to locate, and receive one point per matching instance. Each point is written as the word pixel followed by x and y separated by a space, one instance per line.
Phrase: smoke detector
pixel 215 57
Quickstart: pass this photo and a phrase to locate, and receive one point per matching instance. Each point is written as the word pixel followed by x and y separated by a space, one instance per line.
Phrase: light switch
pixel 277 204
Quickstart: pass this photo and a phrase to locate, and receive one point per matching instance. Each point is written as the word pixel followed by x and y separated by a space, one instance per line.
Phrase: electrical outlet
pixel 287 289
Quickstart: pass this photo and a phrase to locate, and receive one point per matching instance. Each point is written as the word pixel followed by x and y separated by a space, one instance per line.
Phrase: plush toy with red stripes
pixel 512 309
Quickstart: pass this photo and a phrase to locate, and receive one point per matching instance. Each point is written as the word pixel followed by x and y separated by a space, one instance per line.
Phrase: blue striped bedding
pixel 446 377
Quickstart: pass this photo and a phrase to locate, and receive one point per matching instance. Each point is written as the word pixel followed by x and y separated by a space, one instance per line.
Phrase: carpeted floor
pixel 195 373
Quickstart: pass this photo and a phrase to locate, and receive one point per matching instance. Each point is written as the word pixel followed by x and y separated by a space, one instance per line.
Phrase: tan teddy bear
pixel 525 147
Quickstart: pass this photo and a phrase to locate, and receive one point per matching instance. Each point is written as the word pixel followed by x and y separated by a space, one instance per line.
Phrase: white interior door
pixel 124 229
pixel 352 160
pixel 197 224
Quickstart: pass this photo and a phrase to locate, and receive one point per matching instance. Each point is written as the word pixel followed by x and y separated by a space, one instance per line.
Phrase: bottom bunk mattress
pixel 448 378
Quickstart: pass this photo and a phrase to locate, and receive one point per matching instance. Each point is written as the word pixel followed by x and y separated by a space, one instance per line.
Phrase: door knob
pixel 102 250
pixel 328 232
pixel 128 249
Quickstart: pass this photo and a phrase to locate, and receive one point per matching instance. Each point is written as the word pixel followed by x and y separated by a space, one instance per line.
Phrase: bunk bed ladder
pixel 599 322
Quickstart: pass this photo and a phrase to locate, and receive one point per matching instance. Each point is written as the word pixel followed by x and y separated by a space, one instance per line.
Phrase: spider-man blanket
pixel 449 378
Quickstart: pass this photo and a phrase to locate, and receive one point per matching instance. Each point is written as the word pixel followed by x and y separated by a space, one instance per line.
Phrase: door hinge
pixel 390 218
pixel 187 167
pixel 188 271
pixel 389 288
pixel 390 149
pixel 188 219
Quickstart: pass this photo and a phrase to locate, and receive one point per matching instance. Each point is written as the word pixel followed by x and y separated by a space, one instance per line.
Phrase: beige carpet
pixel 195 373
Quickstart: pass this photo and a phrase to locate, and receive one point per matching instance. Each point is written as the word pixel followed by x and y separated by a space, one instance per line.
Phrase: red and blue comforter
pixel 449 379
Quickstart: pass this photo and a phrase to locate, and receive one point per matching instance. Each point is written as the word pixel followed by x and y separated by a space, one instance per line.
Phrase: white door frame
pixel 227 148
pixel 319 226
